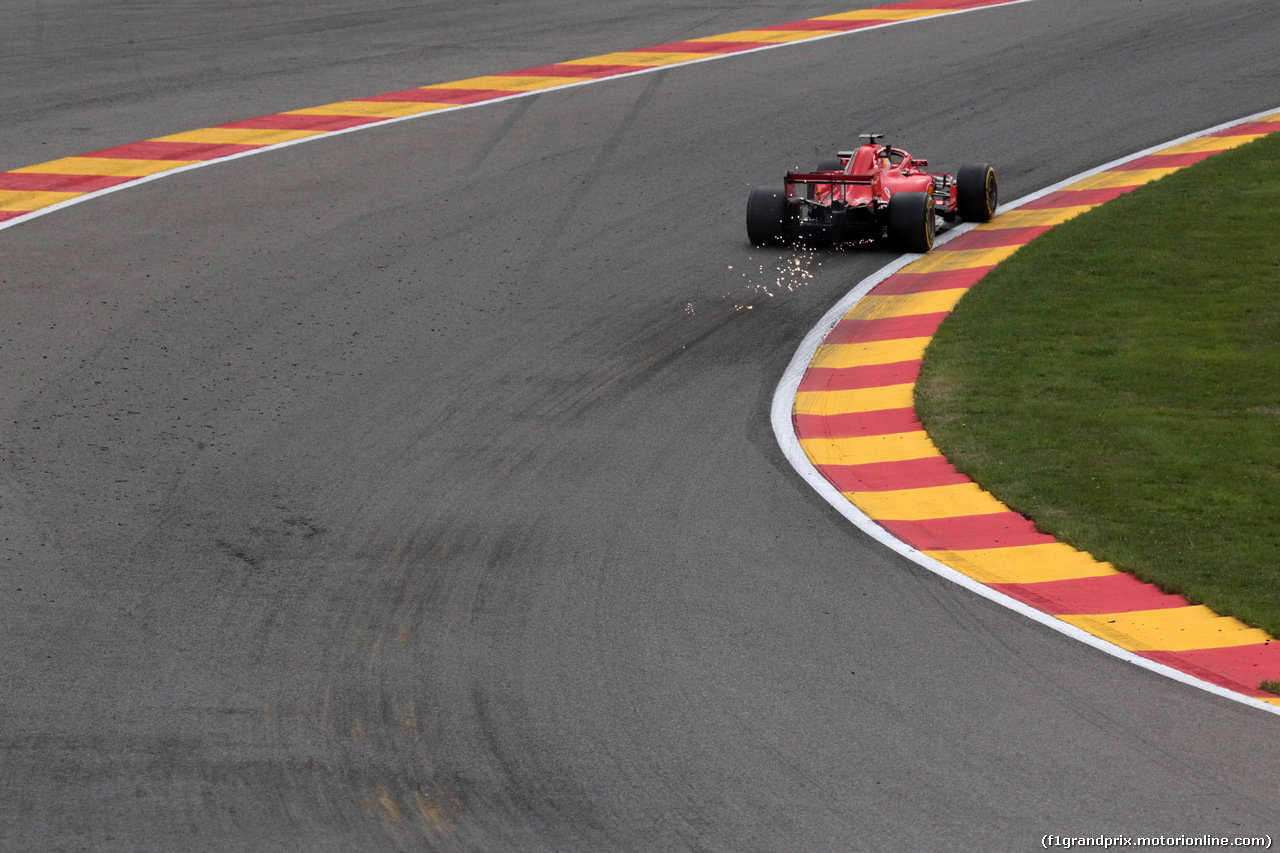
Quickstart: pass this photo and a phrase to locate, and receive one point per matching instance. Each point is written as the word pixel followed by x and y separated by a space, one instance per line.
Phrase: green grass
pixel 1118 381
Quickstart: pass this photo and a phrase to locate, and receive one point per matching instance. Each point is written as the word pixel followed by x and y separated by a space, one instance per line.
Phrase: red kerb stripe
pixel 318 123
pixel 702 47
pixel 882 422
pixel 865 376
pixel 1105 594
pixel 948 5
pixel 1240 668
pixel 839 26
pixel 443 96
pixel 890 476
pixel 152 150
pixel 965 533
pixel 995 238
pixel 886 328
pixel 36 182
pixel 905 282
pixel 1075 198
pixel 584 70
pixel 1164 161
pixel 1249 129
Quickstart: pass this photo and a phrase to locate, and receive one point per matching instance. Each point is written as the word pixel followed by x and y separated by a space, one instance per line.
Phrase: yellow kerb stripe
pixel 105 166
pixel 1051 561
pixel 1034 218
pixel 514 83
pixel 770 36
pixel 896 447
pixel 881 15
pixel 1175 629
pixel 859 400
pixel 642 58
pixel 926 302
pixel 238 136
pixel 934 502
pixel 1121 178
pixel 372 109
pixel 1209 143
pixel 25 200
pixel 871 352
pixel 941 261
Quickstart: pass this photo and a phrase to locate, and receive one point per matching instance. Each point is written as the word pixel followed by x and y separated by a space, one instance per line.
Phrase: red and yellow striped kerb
pixel 31 190
pixel 855 418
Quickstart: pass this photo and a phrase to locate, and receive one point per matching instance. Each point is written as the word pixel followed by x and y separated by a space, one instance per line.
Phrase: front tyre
pixel 976 195
pixel 911 222
pixel 768 219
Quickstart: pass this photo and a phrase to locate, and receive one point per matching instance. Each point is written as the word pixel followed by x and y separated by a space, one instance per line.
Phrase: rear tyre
pixel 830 164
pixel 768 220
pixel 911 222
pixel 976 194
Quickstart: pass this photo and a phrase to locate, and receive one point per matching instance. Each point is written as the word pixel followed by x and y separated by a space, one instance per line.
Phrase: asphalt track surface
pixel 414 489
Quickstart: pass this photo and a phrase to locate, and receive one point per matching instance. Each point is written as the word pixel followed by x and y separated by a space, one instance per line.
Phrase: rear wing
pixel 819 187
pixel 827 178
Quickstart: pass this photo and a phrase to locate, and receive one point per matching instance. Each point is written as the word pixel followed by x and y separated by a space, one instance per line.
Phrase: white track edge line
pixel 784 401
pixel 28 216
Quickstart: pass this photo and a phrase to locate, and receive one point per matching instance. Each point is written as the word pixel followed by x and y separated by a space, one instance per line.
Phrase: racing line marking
pixel 36 190
pixel 844 416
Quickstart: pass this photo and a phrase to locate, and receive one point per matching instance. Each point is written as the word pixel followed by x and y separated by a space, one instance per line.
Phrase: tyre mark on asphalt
pixel 852 416
pixel 43 188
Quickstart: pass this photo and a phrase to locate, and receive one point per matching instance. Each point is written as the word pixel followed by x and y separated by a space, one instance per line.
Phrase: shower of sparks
pixel 786 276
pixel 767 280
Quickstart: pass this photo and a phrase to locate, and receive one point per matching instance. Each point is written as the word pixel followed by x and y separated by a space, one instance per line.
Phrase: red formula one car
pixel 873 193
